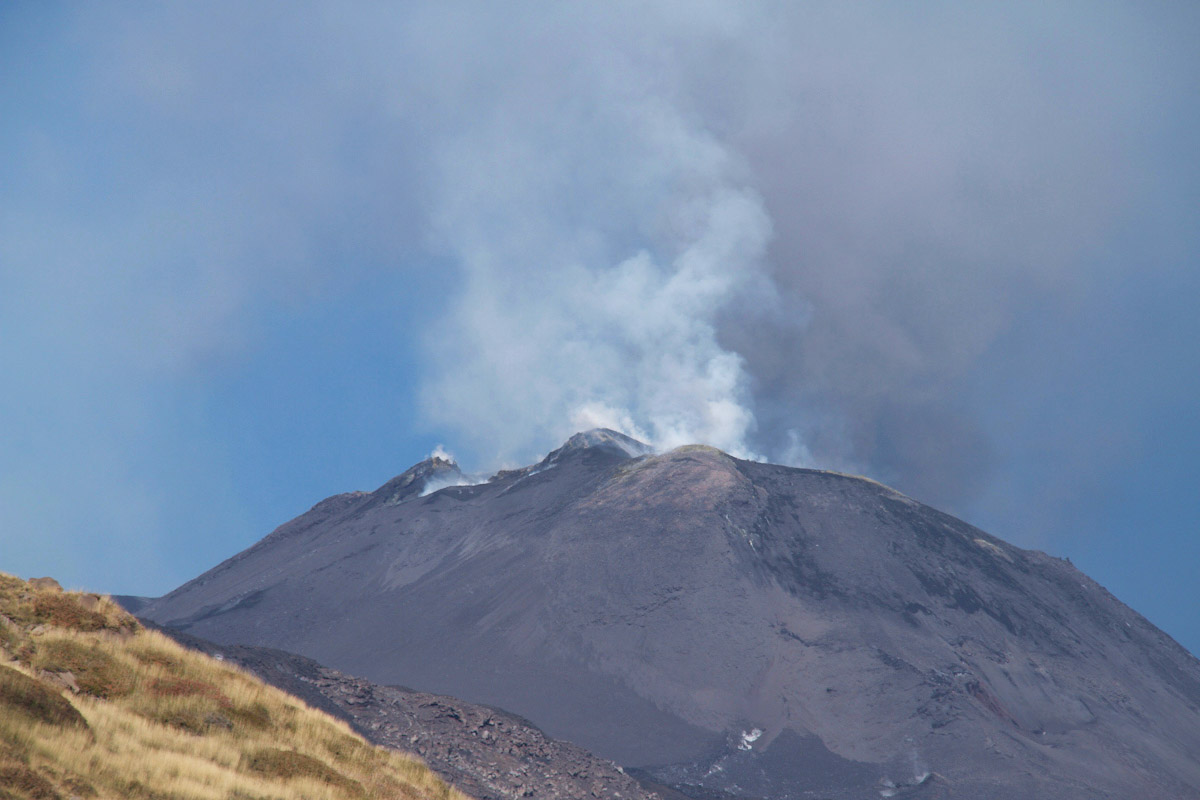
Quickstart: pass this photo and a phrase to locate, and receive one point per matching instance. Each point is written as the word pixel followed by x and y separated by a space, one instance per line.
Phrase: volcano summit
pixel 731 628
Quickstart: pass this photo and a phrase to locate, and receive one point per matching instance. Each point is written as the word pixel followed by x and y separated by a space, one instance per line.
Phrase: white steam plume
pixel 794 230
pixel 598 255
pixel 440 452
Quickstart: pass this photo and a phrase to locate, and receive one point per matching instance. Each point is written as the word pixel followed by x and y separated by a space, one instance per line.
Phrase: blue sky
pixel 252 255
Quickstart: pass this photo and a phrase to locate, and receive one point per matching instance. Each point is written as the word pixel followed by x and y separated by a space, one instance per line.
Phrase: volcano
pixel 727 627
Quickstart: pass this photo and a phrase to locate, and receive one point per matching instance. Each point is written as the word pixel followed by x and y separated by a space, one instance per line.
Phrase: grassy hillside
pixel 92 705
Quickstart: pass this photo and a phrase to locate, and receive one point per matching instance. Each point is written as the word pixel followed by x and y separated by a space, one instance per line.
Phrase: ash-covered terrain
pixel 485 752
pixel 731 628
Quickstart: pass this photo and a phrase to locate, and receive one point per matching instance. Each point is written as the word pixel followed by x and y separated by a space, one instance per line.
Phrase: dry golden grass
pixel 92 705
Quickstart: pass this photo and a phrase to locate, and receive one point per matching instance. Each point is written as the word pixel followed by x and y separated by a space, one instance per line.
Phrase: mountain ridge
pixel 657 609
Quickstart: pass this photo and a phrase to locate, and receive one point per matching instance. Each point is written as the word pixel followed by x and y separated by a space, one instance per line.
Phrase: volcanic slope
pixel 727 626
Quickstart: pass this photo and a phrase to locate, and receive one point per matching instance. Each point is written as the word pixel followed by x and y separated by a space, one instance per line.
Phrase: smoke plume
pixel 794 234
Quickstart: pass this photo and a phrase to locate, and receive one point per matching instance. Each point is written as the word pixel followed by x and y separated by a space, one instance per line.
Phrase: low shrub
pixel 288 764
pixel 66 611
pixel 96 672
pixel 9 638
pixel 155 657
pixel 25 695
pixel 346 748
pixel 20 781
pixel 191 720
pixel 188 687
pixel 255 715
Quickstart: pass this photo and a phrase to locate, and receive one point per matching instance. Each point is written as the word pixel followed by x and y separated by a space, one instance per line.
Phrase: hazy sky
pixel 254 254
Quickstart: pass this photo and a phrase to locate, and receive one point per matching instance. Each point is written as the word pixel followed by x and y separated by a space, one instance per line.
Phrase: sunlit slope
pixel 94 705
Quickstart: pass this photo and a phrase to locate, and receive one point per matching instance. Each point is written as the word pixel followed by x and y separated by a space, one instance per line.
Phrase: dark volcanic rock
pixel 487 753
pixel 728 626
